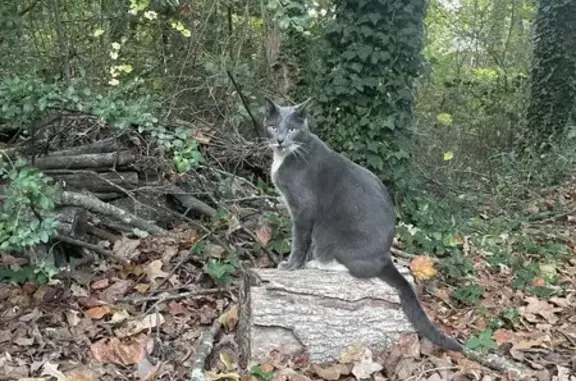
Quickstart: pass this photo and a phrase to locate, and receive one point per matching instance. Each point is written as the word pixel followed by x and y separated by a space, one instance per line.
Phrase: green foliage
pixel 25 99
pixel 260 374
pixel 280 225
pixel 38 274
pixel 220 272
pixel 365 88
pixel 483 341
pixel 27 198
pixel 469 294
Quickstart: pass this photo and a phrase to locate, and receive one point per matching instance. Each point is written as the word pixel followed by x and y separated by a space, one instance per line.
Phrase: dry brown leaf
pixel 142 287
pixel 230 318
pixel 100 284
pixel 352 354
pixel 409 345
pixel 423 267
pixel 267 368
pixel 539 307
pixel 367 366
pixel 73 318
pixel 52 370
pixel 154 270
pixel 98 313
pixel 176 308
pixel 216 251
pixel 502 336
pixel 133 327
pixel 31 316
pixel 24 341
pixel 118 352
pixel 119 288
pixel 76 375
pixel 78 290
pixel 119 316
pixel 5 335
pixel 264 234
pixel 126 248
pixel 331 372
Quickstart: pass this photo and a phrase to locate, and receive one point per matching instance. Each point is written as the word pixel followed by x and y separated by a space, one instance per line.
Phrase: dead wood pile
pixel 115 182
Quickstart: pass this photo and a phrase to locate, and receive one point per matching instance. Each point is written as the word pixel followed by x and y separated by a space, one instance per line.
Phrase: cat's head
pixel 286 126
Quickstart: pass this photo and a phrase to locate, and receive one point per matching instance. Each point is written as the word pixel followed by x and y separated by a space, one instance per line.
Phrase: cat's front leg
pixel 301 242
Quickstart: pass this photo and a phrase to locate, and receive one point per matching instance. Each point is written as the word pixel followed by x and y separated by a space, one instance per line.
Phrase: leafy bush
pixel 27 198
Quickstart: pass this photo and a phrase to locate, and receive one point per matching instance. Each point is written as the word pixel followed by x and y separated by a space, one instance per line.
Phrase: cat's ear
pixel 270 107
pixel 302 108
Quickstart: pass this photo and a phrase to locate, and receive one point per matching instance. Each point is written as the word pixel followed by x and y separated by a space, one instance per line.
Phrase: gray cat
pixel 342 216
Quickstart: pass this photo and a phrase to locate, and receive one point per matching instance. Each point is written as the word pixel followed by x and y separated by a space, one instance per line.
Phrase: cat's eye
pixel 272 127
pixel 292 129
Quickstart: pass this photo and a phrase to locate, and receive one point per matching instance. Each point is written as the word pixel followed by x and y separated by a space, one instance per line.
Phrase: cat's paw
pixel 286 265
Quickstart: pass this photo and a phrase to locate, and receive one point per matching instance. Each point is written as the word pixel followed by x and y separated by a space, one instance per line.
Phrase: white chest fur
pixel 277 161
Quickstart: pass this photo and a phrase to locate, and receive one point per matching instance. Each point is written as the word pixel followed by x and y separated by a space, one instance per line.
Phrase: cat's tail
pixel 414 311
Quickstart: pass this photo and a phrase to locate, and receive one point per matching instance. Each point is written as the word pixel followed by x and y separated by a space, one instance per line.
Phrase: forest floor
pixel 144 320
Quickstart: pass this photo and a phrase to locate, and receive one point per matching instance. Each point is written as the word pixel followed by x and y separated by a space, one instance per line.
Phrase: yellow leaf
pixel 227 361
pixel 114 55
pixel 449 155
pixel 444 119
pixel 98 32
pixel 127 68
pixel 423 267
pixel 113 82
pixel 186 32
pixel 211 375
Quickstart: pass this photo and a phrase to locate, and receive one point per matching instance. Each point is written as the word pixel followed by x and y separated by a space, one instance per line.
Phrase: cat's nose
pixel 280 140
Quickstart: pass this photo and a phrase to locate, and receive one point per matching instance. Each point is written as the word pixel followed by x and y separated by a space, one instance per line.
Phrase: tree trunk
pixel 553 74
pixel 316 313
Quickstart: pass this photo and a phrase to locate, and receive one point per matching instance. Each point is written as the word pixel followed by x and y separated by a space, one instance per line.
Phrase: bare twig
pixel 256 125
pixel 94 248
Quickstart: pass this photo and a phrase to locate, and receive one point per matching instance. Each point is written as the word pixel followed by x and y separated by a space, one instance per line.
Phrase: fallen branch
pixel 95 205
pixel 206 343
pixel 101 146
pixel 107 182
pixel 94 248
pixel 502 365
pixel 190 202
pixel 182 295
pixel 92 160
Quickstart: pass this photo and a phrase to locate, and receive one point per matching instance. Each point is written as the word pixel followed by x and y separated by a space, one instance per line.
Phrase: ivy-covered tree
pixel 553 74
pixel 366 90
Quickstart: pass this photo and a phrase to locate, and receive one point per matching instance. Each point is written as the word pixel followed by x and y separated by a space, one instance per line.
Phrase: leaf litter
pixel 88 330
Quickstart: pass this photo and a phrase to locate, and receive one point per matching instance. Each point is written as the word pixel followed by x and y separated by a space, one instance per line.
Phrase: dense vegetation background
pixel 464 108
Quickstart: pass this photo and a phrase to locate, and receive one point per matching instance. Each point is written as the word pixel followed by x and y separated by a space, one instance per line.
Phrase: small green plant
pixel 469 294
pixel 39 274
pixel 27 198
pixel 220 272
pixel 257 372
pixel 280 241
pixel 483 341
pixel 457 266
